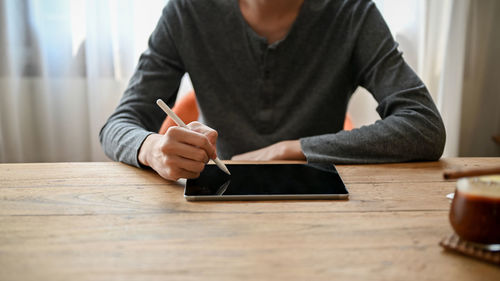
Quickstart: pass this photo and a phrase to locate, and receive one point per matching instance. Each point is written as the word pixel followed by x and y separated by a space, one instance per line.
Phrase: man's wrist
pixel 146 148
pixel 293 150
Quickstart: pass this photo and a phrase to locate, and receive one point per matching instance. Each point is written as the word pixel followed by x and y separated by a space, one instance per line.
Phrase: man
pixel 274 78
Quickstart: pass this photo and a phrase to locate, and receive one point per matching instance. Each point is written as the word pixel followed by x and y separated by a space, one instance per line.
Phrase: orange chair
pixel 187 109
pixel 348 123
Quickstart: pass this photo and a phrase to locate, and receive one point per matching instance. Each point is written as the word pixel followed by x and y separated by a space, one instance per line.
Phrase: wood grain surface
pixel 110 221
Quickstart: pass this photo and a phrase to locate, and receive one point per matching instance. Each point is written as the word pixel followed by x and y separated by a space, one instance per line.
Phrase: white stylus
pixel 181 123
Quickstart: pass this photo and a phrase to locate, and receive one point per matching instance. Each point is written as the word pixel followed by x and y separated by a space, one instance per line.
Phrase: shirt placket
pixel 265 113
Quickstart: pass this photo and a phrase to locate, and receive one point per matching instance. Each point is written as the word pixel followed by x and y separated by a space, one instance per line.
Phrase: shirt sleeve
pixel 410 128
pixel 157 75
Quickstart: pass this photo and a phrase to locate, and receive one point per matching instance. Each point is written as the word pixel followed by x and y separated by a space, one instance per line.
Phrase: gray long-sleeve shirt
pixel 255 94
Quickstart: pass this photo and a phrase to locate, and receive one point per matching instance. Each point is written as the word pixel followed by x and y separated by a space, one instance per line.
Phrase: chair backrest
pixel 187 109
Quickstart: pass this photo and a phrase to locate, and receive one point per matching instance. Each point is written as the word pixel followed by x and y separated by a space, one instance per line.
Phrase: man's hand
pixel 181 152
pixel 285 150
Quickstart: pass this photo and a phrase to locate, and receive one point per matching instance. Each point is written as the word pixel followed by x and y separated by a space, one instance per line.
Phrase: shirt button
pixel 268 86
pixel 264 114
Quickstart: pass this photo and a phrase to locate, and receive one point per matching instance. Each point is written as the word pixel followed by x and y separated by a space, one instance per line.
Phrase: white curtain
pixel 480 119
pixel 432 35
pixel 64 65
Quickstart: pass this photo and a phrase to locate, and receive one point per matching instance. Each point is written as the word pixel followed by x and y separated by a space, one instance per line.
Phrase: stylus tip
pixel 226 171
pixel 221 166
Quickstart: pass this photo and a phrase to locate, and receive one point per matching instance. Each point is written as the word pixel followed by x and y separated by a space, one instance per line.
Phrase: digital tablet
pixel 267 182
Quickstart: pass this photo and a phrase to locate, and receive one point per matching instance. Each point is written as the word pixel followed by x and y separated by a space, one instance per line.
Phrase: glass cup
pixel 475 211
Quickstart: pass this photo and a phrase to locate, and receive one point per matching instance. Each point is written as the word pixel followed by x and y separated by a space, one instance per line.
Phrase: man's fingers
pixel 188 174
pixel 249 156
pixel 188 151
pixel 193 138
pixel 183 152
pixel 175 173
pixel 186 164
pixel 210 133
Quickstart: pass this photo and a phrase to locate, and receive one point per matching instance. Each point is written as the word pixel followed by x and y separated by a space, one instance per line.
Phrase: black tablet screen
pixel 267 179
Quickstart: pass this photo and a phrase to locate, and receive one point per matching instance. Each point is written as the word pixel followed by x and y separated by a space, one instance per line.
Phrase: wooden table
pixel 108 221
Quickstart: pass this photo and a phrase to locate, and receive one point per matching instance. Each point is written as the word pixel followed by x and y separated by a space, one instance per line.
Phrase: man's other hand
pixel 284 150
